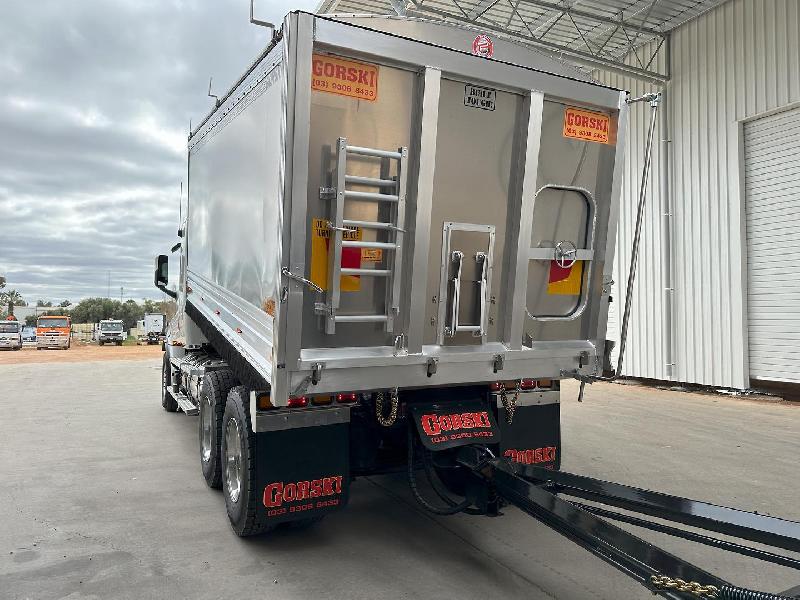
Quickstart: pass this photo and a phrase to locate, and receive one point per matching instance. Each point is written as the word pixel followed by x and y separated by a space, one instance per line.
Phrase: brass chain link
pixel 510 406
pixel 697 590
pixel 392 418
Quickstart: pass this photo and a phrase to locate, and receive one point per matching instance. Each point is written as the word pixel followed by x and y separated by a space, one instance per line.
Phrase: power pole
pixel 121 292
pixel 108 289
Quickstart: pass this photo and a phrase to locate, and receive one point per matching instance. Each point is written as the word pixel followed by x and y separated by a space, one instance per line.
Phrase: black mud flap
pixel 451 424
pixel 302 472
pixel 534 435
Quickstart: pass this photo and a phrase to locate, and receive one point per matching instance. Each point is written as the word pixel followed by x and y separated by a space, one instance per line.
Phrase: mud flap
pixel 534 435
pixel 303 472
pixel 451 424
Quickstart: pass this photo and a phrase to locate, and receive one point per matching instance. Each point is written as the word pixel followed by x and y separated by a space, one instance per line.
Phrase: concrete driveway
pixel 101 496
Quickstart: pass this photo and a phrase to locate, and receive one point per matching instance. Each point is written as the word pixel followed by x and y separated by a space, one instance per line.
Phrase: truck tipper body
pixel 53 332
pixel 399 240
pixel 110 331
pixel 10 334
pixel 382 232
pixel 153 328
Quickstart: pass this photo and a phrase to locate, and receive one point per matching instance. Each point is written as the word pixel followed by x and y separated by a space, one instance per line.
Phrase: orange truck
pixel 53 332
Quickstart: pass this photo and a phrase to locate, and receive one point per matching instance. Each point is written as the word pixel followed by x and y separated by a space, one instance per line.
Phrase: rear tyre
pixel 213 394
pixel 119 343
pixel 238 467
pixel 167 401
pixel 101 343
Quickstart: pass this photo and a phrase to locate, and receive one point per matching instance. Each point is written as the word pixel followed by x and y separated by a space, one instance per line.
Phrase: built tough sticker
pixel 344 77
pixel 586 125
pixel 480 97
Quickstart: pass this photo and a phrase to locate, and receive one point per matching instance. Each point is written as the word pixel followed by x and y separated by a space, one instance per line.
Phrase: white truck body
pixel 10 335
pixel 111 331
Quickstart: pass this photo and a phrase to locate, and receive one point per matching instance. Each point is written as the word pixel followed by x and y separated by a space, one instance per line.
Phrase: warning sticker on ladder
pixel 565 281
pixel 351 257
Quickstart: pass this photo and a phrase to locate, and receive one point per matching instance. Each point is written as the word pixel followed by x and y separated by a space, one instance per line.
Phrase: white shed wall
pixel 729 65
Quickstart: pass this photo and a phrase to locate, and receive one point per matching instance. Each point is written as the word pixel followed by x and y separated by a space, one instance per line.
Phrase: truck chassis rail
pixel 535 491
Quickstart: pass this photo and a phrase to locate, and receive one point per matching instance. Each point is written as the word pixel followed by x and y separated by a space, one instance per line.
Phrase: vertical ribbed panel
pixel 643 354
pixel 730 64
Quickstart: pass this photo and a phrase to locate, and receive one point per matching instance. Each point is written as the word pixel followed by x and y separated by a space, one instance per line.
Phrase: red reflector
pixel 527 384
pixel 495 386
pixel 299 402
pixel 346 397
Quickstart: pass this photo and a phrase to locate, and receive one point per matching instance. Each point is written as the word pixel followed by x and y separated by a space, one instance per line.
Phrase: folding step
pixel 186 405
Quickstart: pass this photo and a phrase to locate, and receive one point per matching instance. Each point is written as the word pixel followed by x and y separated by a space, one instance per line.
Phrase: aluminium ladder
pixel 391 191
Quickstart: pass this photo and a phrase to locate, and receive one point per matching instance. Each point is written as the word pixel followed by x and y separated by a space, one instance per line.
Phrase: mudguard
pixel 302 472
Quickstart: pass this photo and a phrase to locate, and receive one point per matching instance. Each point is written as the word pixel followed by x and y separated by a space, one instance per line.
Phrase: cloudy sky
pixel 95 102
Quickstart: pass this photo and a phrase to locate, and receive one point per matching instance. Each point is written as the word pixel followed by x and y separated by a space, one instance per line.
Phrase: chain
pixel 390 420
pixel 663 582
pixel 509 405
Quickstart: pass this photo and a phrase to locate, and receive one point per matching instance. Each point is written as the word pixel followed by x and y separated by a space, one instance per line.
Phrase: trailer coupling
pixel 493 482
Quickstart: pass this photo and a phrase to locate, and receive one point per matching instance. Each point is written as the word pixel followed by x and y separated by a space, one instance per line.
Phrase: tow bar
pixel 536 491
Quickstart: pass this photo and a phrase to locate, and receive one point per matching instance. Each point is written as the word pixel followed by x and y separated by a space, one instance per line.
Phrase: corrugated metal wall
pixel 736 61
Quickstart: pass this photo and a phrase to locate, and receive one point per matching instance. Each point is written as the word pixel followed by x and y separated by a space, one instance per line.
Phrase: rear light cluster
pixel 304 401
pixel 524 384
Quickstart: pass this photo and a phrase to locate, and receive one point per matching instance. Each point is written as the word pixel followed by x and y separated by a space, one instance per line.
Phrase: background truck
pixel 10 334
pixel 53 332
pixel 153 328
pixel 110 331
pixel 394 250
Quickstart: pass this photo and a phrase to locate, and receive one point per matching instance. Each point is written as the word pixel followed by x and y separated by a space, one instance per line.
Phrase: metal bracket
pixel 433 365
pixel 499 362
pixel 316 373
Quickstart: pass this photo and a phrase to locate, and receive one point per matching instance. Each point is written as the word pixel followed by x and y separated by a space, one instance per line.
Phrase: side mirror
pixel 161 275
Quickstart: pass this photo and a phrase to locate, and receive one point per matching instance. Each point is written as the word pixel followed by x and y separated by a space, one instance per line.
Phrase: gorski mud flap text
pixel 296 478
pixel 452 424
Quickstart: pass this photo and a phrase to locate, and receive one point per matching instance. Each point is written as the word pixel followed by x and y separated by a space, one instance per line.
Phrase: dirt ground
pixel 79 353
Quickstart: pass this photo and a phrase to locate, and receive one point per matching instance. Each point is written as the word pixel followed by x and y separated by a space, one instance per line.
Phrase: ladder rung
pixel 370 196
pixel 373 152
pixel 373 272
pixel 368 224
pixel 370 181
pixel 381 245
pixel 360 318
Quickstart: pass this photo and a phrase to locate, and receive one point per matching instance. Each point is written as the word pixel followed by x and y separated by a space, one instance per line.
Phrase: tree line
pixel 88 310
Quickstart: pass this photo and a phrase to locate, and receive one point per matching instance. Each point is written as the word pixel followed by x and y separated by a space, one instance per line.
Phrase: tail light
pixel 527 384
pixel 297 402
pixel 495 386
pixel 346 398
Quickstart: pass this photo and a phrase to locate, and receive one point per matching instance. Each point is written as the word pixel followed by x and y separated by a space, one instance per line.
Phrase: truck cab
pixel 110 331
pixel 10 334
pixel 53 332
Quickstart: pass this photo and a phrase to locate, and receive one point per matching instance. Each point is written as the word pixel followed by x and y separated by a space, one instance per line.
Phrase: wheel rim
pixel 164 381
pixel 233 460
pixel 205 427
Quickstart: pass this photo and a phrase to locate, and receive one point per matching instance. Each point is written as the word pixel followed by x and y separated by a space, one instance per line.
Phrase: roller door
pixel 772 206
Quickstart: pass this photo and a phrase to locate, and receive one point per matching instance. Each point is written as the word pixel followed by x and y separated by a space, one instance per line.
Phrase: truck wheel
pixel 101 343
pixel 167 401
pixel 119 343
pixel 238 467
pixel 213 394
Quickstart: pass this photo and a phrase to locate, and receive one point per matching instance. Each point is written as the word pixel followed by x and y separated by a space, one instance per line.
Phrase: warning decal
pixel 565 281
pixel 344 77
pixel 586 125
pixel 351 257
